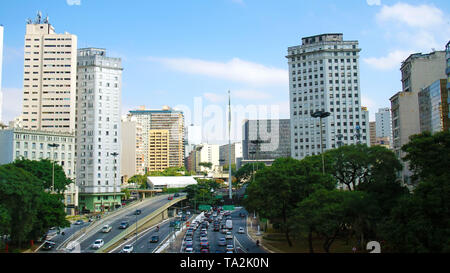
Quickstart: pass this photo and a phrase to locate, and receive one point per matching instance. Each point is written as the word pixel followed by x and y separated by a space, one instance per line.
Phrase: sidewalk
pixel 252 231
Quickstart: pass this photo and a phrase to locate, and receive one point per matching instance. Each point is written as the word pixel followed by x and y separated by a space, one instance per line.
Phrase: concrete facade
pixel 128 148
pixel 18 143
pixel 49 82
pixel 224 151
pixel 418 71
pixel 384 124
pixel 324 75
pixel 1 66
pixel 98 129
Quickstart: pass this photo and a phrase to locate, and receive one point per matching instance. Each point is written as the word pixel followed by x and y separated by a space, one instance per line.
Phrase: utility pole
pixel 115 154
pixel 229 143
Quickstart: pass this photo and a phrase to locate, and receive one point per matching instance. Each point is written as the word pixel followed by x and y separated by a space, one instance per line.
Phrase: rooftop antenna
pixel 46 20
pixel 38 17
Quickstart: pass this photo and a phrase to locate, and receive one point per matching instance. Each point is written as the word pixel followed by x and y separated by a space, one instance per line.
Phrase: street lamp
pixel 321 115
pixel 115 174
pixel 53 145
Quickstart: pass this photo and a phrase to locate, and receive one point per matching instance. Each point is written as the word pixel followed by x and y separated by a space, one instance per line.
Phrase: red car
pixel 170 198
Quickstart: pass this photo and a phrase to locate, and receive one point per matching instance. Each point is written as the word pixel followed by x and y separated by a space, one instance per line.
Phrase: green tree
pixel 19 194
pixel 277 190
pixel 245 173
pixel 43 169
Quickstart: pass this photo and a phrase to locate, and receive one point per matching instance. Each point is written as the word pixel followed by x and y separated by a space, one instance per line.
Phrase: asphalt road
pixel 239 240
pixel 85 241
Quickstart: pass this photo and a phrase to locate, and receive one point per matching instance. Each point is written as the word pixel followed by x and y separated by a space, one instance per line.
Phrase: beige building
pixel 128 144
pixel 418 71
pixel 49 81
pixel 158 152
pixel 149 120
pixel 373 133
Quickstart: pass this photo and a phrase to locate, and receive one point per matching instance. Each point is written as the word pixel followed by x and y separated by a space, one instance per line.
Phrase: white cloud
pixel 235 70
pixel 212 97
pixel 391 61
pixel 422 16
pixel 250 95
pixel 373 2
pixel 410 29
pixel 12 103
pixel 73 2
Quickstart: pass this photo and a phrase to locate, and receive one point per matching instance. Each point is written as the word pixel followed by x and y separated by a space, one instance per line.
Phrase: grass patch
pixel 300 245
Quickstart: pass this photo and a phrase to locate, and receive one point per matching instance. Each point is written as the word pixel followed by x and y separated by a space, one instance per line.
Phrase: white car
pixel 189 250
pixel 98 244
pixel 230 248
pixel 127 249
pixel 229 235
pixel 241 230
pixel 106 228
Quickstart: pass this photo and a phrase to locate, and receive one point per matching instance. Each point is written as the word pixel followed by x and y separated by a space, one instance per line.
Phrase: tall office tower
pixel 275 137
pixel 434 107
pixel 324 76
pixel 447 71
pixel 49 82
pixel 1 65
pixel 224 151
pixel 418 71
pixel 155 127
pixel 128 144
pixel 373 133
pixel 98 129
pixel 383 123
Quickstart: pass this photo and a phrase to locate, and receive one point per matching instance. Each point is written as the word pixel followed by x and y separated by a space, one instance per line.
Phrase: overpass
pixel 152 219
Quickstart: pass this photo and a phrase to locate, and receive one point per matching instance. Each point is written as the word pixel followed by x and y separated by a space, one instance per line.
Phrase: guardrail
pixel 141 224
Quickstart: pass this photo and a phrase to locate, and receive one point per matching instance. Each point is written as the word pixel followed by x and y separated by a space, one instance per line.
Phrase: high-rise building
pixel 266 139
pixel 447 71
pixel 1 65
pixel 161 132
pixel 19 143
pixel 224 151
pixel 433 107
pixel 99 88
pixel 373 133
pixel 418 71
pixel 49 82
pixel 383 122
pixel 324 76
pixel 128 143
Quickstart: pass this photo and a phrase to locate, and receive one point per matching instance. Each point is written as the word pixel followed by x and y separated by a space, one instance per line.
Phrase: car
pixel 229 251
pixel 154 239
pixel 229 235
pixel 170 198
pixel 203 238
pixel 176 195
pixel 137 212
pixel 222 241
pixel 127 249
pixel 124 225
pixel 48 245
pixel 189 250
pixel 106 228
pixel 204 244
pixel 230 248
pixel 79 222
pixel 98 244
pixel 204 250
pixel 224 231
pixel 188 239
pixel 241 230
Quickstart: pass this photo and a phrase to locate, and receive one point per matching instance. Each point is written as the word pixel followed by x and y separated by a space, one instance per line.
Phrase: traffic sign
pixel 204 207
pixel 228 207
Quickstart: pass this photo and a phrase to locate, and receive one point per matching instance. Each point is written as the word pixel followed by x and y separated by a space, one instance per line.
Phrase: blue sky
pixel 176 50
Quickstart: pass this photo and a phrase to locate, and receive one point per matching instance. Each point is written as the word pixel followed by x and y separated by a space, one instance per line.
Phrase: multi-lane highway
pixel 93 230
pixel 239 240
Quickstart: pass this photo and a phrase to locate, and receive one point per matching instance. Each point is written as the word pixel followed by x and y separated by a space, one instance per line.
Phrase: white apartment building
pixel 1 65
pixel 18 143
pixel 49 82
pixel 209 153
pixel 383 123
pixel 99 87
pixel 324 76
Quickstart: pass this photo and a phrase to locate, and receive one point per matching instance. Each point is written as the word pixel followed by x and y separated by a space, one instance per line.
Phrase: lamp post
pixel 253 164
pixel 53 145
pixel 321 115
pixel 115 174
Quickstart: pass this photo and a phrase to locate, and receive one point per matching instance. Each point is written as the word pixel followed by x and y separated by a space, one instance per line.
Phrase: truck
pixel 229 224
